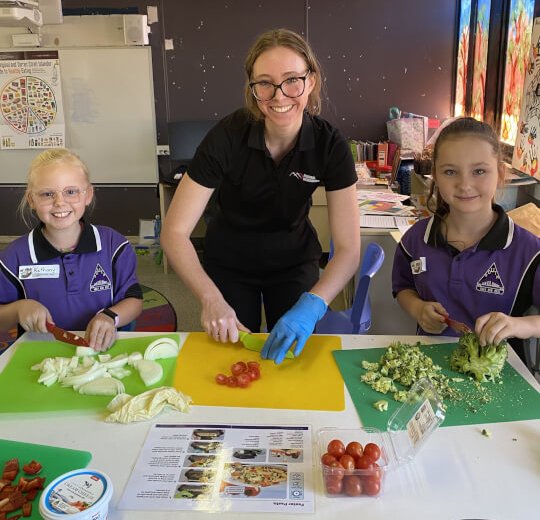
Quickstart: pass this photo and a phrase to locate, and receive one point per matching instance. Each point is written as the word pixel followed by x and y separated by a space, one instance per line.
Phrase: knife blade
pixel 457 326
pixel 65 336
pixel 256 343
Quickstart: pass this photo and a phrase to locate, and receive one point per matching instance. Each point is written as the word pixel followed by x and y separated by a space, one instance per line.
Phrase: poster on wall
pixel 31 113
pixel 527 145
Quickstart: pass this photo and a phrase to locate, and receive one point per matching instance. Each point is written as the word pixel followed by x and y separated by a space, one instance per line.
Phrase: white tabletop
pixel 459 474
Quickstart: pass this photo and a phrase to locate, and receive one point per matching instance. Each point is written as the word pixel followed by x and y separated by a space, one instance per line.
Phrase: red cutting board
pixel 30 396
pixel 55 462
pixel 310 382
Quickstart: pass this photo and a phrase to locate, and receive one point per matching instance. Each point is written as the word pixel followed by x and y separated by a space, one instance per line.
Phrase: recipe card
pixel 223 467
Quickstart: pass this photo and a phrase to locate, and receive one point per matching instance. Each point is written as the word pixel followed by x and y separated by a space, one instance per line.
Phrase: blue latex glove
pixel 296 324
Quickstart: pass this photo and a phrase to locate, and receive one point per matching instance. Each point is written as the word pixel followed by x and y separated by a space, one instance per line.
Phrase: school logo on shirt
pixel 490 282
pixel 100 280
pixel 419 266
pixel 304 177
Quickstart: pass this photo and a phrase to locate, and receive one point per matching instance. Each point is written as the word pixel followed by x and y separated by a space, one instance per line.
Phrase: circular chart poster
pixel 28 104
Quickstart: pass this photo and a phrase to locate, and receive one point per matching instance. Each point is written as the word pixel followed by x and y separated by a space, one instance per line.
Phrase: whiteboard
pixel 109 114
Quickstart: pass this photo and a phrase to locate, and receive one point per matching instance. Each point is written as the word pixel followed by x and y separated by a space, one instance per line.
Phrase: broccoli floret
pixel 370 377
pixel 384 385
pixel 381 405
pixel 482 363
pixel 401 395
pixel 370 366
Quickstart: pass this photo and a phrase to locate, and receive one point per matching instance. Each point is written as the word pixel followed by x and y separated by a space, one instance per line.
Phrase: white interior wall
pixel 75 31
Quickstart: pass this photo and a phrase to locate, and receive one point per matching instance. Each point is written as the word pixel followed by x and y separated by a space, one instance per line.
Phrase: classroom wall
pixel 375 54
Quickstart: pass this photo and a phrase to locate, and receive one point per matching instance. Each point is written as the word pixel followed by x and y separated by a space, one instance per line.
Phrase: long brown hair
pixel 295 42
pixel 461 127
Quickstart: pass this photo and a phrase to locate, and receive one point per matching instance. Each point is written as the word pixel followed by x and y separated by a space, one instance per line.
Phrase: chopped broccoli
pixel 404 364
pixel 370 366
pixel 486 433
pixel 401 395
pixel 384 385
pixel 482 363
pixel 370 377
pixel 381 405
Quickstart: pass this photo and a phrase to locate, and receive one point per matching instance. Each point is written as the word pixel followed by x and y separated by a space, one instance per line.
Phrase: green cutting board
pixel 30 396
pixel 513 400
pixel 55 462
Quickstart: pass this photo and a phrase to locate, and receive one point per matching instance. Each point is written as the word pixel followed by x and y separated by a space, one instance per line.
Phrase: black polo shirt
pixel 262 208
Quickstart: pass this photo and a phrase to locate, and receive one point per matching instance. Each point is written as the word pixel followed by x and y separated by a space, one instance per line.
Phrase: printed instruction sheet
pixel 223 468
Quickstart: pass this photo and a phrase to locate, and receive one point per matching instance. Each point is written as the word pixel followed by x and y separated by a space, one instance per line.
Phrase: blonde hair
pixel 43 160
pixel 295 42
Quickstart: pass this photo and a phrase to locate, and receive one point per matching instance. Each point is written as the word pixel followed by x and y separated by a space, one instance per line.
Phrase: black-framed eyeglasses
pixel 291 87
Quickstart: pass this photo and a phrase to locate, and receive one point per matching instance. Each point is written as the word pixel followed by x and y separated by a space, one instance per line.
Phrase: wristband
pixel 111 315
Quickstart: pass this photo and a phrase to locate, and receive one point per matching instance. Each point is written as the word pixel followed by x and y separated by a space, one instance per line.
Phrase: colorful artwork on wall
pixel 462 58
pixel 480 58
pixel 517 60
pixel 527 143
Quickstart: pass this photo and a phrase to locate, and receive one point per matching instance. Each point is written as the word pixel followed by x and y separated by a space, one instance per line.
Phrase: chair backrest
pixel 361 308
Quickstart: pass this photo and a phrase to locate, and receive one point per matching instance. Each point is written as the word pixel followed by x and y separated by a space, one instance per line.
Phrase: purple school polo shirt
pixel 499 274
pixel 100 272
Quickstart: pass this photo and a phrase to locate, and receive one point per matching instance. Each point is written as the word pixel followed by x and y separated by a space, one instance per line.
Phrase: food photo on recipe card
pixel 221 467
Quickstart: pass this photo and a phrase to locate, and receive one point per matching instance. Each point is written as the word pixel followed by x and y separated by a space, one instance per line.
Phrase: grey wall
pixel 375 54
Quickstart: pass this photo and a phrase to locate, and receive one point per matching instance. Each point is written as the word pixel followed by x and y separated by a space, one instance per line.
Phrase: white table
pixel 458 474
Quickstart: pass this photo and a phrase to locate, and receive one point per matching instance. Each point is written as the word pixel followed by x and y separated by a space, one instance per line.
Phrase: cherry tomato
pixel 353 485
pixel 372 486
pixel 252 491
pixel 327 459
pixel 254 374
pixel 372 451
pixel 232 381
pixel 347 462
pixel 354 449
pixel 251 365
pixel 333 485
pixel 243 380
pixel 334 469
pixel 221 379
pixel 363 463
pixel 238 368
pixel 336 448
pixel 377 471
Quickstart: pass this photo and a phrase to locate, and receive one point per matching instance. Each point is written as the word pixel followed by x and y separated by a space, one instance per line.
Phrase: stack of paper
pixel 383 203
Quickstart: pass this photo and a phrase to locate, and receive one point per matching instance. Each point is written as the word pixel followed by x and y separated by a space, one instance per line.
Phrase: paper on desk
pixel 387 222
pixel 382 207
pixel 387 196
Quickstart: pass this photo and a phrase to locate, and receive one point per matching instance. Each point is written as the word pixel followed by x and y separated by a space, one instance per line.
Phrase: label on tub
pixel 76 492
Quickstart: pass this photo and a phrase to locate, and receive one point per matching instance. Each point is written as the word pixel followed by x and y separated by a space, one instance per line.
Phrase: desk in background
pixel 458 474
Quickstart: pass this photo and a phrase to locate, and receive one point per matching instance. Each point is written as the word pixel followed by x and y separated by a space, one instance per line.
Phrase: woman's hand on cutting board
pixel 296 325
pixel 219 320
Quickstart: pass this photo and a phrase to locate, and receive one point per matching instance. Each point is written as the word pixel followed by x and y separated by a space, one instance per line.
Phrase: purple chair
pixel 357 319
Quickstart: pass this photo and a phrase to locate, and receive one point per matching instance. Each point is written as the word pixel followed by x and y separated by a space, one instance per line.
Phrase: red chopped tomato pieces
pixel 32 468
pixel 242 374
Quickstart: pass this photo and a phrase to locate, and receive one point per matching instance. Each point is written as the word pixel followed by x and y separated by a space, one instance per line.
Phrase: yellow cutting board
pixel 310 382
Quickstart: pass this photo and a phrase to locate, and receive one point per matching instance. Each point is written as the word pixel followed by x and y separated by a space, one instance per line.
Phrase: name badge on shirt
pixel 28 272
pixel 419 266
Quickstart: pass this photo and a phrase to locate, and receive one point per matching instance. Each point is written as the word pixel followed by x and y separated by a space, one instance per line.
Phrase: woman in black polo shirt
pixel 264 162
